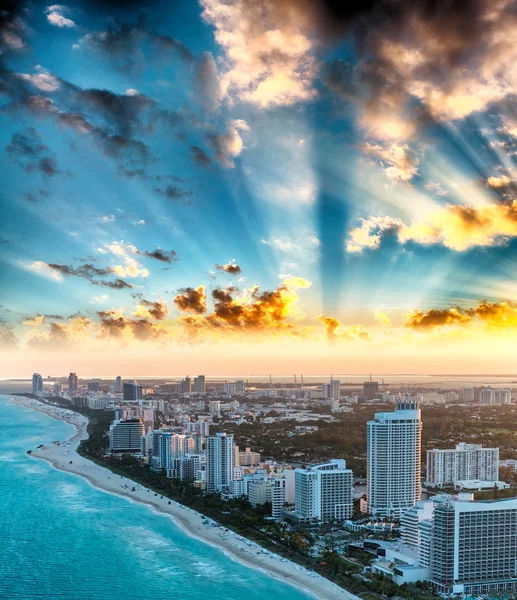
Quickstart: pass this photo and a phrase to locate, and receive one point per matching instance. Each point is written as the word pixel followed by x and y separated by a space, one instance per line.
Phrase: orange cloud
pixel 496 316
pixel 455 226
pixel 232 268
pixel 334 330
pixel 192 299
pixel 437 318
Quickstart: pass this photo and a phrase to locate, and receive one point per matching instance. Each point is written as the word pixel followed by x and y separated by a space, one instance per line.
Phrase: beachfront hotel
pixel 474 547
pixel 393 460
pixel 126 435
pixel 324 492
pixel 461 546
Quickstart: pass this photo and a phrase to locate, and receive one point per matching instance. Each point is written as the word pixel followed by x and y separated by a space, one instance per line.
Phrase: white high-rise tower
pixel 219 462
pixel 394 443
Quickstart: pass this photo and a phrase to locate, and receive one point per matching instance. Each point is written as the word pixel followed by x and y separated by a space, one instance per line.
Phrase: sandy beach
pixel 63 455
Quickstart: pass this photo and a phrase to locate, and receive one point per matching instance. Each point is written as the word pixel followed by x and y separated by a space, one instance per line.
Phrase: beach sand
pixel 63 455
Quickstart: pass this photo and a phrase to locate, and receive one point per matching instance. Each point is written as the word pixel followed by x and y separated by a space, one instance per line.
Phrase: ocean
pixel 62 539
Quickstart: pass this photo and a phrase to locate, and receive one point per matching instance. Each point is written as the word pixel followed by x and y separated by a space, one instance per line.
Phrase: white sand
pixel 64 457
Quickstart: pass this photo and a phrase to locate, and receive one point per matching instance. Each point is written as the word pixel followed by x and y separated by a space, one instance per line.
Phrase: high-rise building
pixel 219 462
pixel 234 388
pixel 477 393
pixel 465 462
pixel 451 397
pixel 118 385
pixel 332 390
pixel 93 386
pixel 171 446
pixel 324 492
pixel 199 384
pixel 497 396
pixel 57 388
pixel 72 383
pixel 393 460
pixel 214 408
pixel 370 389
pixel 132 392
pixel 185 386
pixel 37 383
pixel 186 467
pixel 467 394
pixel 474 547
pixel 126 435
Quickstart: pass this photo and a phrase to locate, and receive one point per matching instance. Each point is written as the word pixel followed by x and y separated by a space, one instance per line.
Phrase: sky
pixel 253 186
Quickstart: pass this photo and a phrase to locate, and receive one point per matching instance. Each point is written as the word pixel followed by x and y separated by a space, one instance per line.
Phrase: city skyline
pixel 205 184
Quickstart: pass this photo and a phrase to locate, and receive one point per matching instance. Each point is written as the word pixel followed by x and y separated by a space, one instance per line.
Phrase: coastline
pixel 63 456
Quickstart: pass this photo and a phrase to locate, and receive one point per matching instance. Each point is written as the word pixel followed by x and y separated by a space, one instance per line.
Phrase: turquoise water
pixel 62 539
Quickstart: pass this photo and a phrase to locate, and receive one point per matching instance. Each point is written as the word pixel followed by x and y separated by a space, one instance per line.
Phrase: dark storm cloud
pixel 206 81
pixel 115 145
pixel 117 110
pixel 90 272
pixel 117 284
pixel 13 29
pixel 31 154
pixel 199 156
pixel 125 44
pixel 172 192
pixel 167 256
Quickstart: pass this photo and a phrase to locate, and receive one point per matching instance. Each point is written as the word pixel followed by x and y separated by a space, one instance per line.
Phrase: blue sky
pixel 365 179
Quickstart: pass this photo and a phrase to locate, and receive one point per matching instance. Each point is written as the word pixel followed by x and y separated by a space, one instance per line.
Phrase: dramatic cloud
pixel 114 145
pixel 494 316
pixel 231 268
pixel 46 82
pixel 228 145
pixel 43 269
pixel 256 309
pixel 207 82
pixel 192 299
pixel 268 58
pixel 499 182
pixel 335 330
pixel 31 154
pixel 167 256
pixel 199 156
pixel 112 323
pixel 454 226
pixel 56 16
pixel 123 45
pixel 89 272
pixel 131 267
pixel 13 29
pixel 398 162
pixel 74 331
pixel 175 193
pixel 156 310
pixel 370 233
pixel 437 318
pixel 240 311
pixel 34 321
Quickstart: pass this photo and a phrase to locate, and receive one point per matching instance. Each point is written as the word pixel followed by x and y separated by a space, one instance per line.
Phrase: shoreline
pixel 63 456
